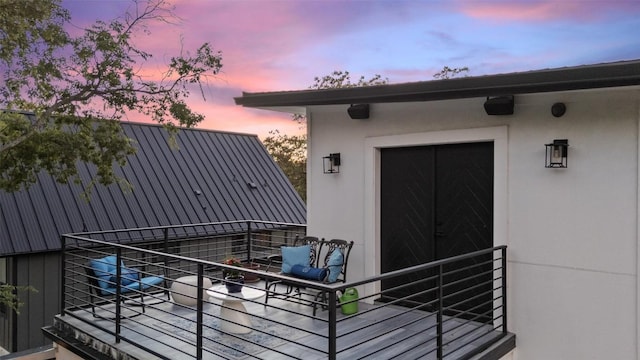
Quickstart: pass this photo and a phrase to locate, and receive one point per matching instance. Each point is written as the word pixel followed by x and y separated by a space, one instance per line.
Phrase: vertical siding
pixel 42 272
pixel 6 316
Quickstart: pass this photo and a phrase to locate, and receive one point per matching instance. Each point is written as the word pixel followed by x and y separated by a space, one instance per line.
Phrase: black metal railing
pixel 451 308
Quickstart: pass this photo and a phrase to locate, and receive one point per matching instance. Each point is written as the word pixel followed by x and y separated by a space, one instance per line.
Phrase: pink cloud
pixel 237 119
pixel 257 41
pixel 537 11
pixel 259 122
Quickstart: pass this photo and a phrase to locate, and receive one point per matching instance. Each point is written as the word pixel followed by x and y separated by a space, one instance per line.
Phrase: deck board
pixel 392 338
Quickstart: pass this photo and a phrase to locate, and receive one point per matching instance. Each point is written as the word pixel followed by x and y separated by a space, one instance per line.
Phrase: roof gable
pixel 213 176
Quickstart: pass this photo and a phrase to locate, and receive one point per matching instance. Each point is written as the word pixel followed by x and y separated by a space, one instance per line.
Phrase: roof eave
pixel 617 74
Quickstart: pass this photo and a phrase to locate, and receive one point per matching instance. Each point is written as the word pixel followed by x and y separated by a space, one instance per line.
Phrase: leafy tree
pixel 290 153
pixel 77 86
pixel 9 297
pixel 448 73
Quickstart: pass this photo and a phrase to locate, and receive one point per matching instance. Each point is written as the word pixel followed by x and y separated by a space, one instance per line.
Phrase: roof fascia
pixel 617 74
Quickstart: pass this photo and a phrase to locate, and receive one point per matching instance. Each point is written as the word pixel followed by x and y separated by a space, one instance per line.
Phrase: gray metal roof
pixel 625 73
pixel 233 174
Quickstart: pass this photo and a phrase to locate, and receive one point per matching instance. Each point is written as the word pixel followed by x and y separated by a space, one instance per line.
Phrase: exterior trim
pixel 625 73
pixel 499 136
pixel 75 346
pixel 498 350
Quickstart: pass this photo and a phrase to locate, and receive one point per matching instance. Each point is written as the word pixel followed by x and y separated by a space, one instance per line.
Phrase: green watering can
pixel 348 308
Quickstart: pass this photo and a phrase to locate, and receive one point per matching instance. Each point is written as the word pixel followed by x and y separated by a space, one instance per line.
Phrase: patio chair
pixel 101 274
pixel 336 258
pixel 276 261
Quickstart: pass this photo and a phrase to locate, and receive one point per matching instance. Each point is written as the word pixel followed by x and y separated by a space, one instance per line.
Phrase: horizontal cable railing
pixel 179 308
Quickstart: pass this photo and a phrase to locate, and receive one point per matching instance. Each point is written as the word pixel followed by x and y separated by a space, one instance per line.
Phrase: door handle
pixel 440 234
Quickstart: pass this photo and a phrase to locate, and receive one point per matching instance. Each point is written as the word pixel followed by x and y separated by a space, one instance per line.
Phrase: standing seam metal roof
pixel 221 166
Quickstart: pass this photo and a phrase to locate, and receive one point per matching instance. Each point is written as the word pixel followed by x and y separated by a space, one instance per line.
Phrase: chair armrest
pixel 273 260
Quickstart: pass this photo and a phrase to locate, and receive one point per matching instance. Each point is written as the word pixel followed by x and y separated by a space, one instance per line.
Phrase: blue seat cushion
pixel 335 265
pixel 128 276
pixel 295 255
pixel 308 272
pixel 105 270
pixel 143 284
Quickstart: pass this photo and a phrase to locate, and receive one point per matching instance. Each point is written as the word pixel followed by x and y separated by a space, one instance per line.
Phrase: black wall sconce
pixel 556 154
pixel 499 105
pixel 358 111
pixel 331 164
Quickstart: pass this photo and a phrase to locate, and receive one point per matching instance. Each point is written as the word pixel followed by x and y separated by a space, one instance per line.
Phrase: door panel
pixel 437 202
pixel 464 215
pixel 407 210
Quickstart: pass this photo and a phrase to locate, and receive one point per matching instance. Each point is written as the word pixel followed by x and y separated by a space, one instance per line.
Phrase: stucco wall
pixel 572 233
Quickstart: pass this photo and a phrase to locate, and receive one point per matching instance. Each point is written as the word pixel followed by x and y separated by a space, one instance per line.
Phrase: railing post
pixel 63 299
pixel 118 291
pixel 249 242
pixel 504 289
pixel 166 251
pixel 333 326
pixel 199 312
pixel 439 316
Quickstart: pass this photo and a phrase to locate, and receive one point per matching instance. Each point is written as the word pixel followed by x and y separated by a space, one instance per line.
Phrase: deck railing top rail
pixel 88 234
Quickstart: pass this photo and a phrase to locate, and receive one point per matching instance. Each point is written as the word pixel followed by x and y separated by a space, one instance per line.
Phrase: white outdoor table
pixel 232 309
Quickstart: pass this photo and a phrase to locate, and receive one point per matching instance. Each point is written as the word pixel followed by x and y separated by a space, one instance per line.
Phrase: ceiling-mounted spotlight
pixel 499 105
pixel 358 111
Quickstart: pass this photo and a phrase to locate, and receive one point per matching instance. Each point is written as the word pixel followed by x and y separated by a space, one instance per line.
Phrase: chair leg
pixel 316 301
pixel 93 307
pixel 268 290
pixel 321 300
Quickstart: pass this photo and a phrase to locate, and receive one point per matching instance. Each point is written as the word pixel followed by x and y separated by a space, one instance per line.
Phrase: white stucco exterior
pixel 572 234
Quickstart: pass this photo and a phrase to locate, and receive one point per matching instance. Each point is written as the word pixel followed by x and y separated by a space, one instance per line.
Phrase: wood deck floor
pixel 402 334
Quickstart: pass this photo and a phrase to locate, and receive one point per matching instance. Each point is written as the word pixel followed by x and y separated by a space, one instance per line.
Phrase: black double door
pixel 437 202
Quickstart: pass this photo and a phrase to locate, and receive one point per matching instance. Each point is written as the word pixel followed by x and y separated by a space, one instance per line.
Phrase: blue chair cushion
pixel 104 269
pixel 335 265
pixel 295 255
pixel 143 284
pixel 308 272
pixel 128 276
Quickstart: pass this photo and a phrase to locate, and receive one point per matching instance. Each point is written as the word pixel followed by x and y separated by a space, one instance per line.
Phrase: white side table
pixel 232 309
pixel 184 290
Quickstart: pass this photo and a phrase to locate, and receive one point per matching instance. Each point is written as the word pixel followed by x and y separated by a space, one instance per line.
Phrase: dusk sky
pixel 282 45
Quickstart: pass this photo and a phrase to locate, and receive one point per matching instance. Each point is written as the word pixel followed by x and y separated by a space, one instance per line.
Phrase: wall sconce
pixel 499 105
pixel 556 154
pixel 331 164
pixel 358 111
